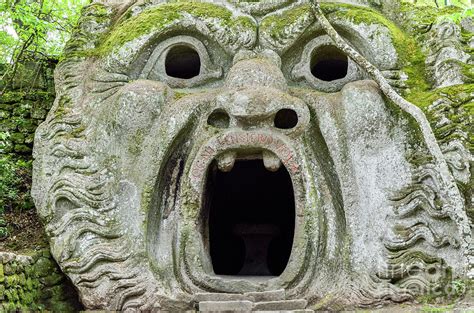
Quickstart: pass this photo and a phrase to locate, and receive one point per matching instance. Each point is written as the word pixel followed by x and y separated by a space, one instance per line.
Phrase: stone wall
pixel 20 113
pixel 31 281
pixel 34 283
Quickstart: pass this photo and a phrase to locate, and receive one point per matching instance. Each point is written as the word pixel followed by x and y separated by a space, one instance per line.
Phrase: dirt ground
pixel 25 232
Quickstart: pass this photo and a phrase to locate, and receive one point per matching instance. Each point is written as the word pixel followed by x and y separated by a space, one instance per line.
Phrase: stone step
pixel 220 306
pixel 287 311
pixel 214 296
pixel 281 305
pixel 272 295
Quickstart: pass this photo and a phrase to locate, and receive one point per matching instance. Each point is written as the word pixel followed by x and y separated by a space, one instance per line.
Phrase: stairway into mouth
pixel 263 301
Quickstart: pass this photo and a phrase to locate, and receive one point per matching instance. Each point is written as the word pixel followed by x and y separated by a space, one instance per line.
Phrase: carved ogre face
pixel 233 148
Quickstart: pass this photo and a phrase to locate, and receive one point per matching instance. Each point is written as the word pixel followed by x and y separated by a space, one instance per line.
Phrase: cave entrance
pixel 251 219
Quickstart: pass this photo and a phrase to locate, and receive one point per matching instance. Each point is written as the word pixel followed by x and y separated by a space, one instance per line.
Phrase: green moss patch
pixel 458 93
pixel 456 104
pixel 160 17
pixel 422 17
pixel 411 58
pixel 37 286
pixel 277 23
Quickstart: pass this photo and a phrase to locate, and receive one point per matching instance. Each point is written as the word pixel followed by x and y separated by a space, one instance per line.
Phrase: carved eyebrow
pixel 229 29
pixel 282 29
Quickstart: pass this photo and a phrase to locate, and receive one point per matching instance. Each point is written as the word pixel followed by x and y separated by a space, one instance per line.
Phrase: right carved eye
pixel 325 67
pixel 181 62
pixel 328 63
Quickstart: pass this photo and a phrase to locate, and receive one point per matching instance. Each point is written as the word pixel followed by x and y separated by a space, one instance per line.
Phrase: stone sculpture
pixel 230 150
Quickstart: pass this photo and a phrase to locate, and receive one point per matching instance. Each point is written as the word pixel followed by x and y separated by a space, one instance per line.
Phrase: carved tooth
pixel 271 161
pixel 226 161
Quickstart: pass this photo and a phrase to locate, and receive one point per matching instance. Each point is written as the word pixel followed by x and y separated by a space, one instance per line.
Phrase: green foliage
pixel 458 16
pixel 459 288
pixel 34 30
pixel 15 183
pixel 433 309
pixel 441 3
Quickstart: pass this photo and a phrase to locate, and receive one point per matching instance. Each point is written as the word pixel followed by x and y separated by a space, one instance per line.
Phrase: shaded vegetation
pixel 33 32
pixel 32 37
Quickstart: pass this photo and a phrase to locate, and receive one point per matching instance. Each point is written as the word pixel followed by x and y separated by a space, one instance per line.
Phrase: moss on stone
pixel 451 117
pixel 467 71
pixel 76 132
pixel 178 95
pixel 410 56
pixel 94 14
pixel 277 23
pixel 162 16
pixel 453 290
pixel 417 21
pixel 36 287
pixel 135 146
pixel 426 98
pixel 422 16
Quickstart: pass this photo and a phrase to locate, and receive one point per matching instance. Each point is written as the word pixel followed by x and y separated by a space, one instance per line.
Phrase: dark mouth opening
pixel 251 219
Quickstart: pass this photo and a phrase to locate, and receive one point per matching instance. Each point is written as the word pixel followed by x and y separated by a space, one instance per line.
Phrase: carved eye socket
pixel 325 67
pixel 328 63
pixel 182 62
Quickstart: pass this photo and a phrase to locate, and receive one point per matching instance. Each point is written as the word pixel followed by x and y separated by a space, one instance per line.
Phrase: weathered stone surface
pixel 222 297
pixel 222 306
pixel 271 295
pixel 156 99
pixel 287 311
pixel 280 305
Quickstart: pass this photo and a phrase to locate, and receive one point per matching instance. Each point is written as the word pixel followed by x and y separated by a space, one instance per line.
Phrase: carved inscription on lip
pixel 239 140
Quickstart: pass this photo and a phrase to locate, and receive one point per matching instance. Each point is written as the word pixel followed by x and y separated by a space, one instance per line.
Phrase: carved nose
pixel 258 108
pixel 261 72
pixel 257 98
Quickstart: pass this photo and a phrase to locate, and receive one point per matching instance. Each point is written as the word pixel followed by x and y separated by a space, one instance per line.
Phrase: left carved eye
pixel 181 62
pixel 325 67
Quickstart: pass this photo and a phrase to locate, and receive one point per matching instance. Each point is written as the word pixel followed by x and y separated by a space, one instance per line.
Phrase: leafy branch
pixel 34 31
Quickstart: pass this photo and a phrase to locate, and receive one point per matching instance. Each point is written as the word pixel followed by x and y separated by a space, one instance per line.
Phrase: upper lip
pixel 274 148
pixel 226 160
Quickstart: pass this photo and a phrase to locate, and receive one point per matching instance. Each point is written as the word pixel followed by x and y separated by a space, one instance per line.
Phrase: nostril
pixel 219 119
pixel 286 119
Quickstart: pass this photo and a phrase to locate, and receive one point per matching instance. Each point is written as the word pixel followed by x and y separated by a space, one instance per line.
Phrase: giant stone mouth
pixel 244 187
pixel 251 216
